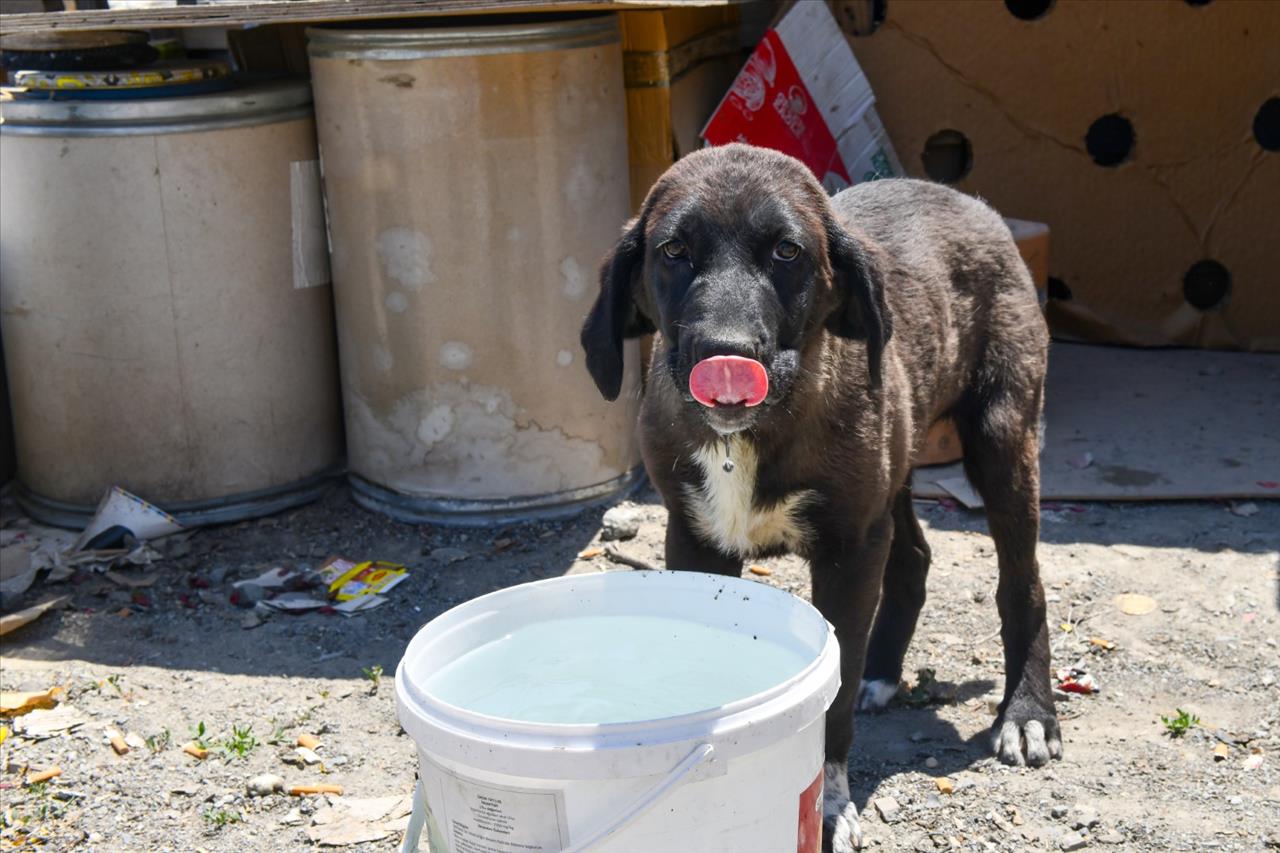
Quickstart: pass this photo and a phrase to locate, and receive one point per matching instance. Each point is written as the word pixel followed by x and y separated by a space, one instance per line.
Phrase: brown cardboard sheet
pixel 1197 183
pixel 1132 424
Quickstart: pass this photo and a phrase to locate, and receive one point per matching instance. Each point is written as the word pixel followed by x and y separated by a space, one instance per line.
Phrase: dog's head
pixel 738 260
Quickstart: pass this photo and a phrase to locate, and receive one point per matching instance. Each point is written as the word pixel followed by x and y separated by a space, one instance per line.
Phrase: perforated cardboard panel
pixel 1196 84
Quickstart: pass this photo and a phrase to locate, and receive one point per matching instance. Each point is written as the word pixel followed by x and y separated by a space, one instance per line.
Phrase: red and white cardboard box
pixel 802 93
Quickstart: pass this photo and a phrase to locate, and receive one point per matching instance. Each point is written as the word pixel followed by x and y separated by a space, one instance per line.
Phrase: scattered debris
pixel 1133 604
pixel 945 785
pixel 1244 510
pixel 117 742
pixel 1081 460
pixel 42 776
pixel 1073 841
pixel 13 621
pixel 1254 761
pixel 121 516
pixel 131 581
pixel 40 724
pixel 762 571
pixel 17 703
pixel 620 523
pixel 1221 752
pixel 320 788
pixel 620 558
pixel 449 555
pixel 265 784
pixel 1100 643
pixel 195 750
pixel 308 741
pixel 307 755
pixel 590 553
pixel 887 808
pixel 1076 680
pixel 360 586
pixel 960 489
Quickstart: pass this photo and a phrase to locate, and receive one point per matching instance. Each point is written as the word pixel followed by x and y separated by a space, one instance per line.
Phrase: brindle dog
pixel 873 314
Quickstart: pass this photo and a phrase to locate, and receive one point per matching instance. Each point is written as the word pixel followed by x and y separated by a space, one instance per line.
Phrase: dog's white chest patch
pixel 723 508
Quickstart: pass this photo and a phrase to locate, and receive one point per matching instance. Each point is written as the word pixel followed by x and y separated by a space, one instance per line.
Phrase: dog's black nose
pixel 744 347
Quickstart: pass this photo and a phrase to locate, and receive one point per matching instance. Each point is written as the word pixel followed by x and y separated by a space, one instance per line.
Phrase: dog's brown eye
pixel 786 251
pixel 674 249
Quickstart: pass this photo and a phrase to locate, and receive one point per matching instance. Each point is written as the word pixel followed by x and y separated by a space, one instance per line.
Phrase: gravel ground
pixel 156 663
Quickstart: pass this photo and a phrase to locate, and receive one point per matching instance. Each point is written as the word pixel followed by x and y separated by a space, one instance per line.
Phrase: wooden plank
pixel 242 12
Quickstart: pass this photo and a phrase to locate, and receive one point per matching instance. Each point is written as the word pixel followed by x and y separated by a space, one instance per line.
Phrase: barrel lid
pixel 256 103
pixel 463 36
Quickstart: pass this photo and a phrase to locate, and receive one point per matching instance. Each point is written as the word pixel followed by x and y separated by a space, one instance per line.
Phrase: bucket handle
pixel 648 799
pixel 637 807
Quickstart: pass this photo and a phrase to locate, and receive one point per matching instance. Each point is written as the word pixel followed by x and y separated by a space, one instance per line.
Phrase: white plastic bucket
pixel 744 777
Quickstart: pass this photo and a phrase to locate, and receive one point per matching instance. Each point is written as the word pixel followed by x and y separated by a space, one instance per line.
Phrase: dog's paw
pixel 1026 737
pixel 841 832
pixel 875 695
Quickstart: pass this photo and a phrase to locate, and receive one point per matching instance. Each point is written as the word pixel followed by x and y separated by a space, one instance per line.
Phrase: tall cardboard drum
pixel 475 174
pixel 167 322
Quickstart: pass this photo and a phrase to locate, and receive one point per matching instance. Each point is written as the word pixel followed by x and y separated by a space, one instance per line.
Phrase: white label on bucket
pixel 310 243
pixel 477 817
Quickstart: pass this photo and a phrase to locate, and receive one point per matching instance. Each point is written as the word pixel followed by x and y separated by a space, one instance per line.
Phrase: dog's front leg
pixel 846 588
pixel 687 552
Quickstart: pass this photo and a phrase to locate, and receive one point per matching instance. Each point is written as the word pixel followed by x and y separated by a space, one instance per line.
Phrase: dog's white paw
pixel 876 694
pixel 1028 743
pixel 840 825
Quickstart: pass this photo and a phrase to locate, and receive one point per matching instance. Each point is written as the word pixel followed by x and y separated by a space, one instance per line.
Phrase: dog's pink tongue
pixel 729 379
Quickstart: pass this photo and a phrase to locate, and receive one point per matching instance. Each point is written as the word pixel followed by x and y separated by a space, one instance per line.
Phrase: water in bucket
pixel 613 669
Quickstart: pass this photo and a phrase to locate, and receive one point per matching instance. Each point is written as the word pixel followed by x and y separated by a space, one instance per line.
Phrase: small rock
pixel 1083 817
pixel 931 762
pixel 293 818
pixel 1058 812
pixel 1109 837
pixel 918 736
pixel 265 784
pixel 250 620
pixel 1073 841
pixel 620 522
pixel 1235 801
pixel 187 789
pixel 887 808
pixel 449 555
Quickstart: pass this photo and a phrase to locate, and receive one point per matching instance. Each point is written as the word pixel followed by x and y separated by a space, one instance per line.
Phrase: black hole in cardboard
pixel 1028 10
pixel 947 156
pixel 1266 124
pixel 1206 285
pixel 1110 140
pixel 1199 2
pixel 861 17
pixel 1058 289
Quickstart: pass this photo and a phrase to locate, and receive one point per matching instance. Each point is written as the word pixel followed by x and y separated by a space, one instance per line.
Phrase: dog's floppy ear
pixel 615 316
pixel 863 314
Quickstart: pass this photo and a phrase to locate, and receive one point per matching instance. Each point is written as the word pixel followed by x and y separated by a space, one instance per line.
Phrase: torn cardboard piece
pixel 803 93
pixel 13 621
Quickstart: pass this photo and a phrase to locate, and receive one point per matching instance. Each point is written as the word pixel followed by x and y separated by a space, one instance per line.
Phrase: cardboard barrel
pixel 167 322
pixel 475 173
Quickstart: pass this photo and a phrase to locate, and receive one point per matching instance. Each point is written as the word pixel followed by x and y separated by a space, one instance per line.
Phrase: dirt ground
pixel 157 662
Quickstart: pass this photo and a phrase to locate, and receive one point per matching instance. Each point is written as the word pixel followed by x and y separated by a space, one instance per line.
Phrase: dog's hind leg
pixel 902 597
pixel 999 430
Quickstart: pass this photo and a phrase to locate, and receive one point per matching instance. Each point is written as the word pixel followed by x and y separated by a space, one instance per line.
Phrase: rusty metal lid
pixel 463 36
pixel 259 103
